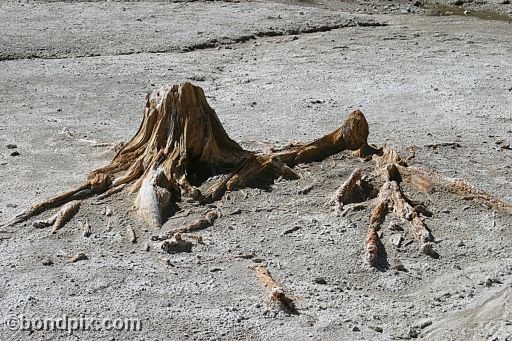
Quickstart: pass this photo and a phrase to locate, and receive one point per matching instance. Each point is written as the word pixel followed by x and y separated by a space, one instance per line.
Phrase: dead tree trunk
pixel 181 143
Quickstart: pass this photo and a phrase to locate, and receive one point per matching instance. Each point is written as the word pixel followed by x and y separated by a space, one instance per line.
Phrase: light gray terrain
pixel 72 73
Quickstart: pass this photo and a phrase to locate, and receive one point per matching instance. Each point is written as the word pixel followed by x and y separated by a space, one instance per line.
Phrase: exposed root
pixel 277 294
pixel 95 185
pixel 427 181
pixel 196 225
pixel 347 193
pixel 391 197
pixel 59 219
pixel 111 191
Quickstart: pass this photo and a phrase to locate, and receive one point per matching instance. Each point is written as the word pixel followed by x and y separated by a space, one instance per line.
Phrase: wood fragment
pixel 247 255
pixel 86 228
pixel 292 229
pixel 78 257
pixel 177 245
pixel 354 207
pixel 132 237
pixel 444 144
pixel 277 294
pixel 306 189
pixel 354 190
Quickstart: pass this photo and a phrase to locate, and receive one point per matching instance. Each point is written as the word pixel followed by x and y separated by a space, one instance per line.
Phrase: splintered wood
pixel 277 294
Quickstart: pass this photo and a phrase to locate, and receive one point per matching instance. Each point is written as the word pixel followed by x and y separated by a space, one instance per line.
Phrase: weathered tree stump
pixel 181 143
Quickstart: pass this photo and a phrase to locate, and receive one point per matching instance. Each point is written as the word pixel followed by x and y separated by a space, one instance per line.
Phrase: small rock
pixel 15 154
pixel 490 281
pixel 377 329
pixel 59 109
pixel 413 333
pixel 11 205
pixel 395 226
pixel 47 262
pixel 356 329
pixel 80 256
pixel 320 280
pixel 108 212
pixel 461 244
pixel 11 146
pixel 424 324
pixel 177 245
pixel 397 265
pixel 396 239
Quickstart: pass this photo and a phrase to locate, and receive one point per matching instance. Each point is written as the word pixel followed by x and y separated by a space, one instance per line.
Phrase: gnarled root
pixel 427 180
pixel 58 220
pixel 391 197
pixel 95 185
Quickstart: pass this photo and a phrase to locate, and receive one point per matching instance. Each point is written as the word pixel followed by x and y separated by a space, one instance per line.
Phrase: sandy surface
pixel 274 73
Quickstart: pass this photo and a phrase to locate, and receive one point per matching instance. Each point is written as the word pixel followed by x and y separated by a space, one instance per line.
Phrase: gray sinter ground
pixel 419 80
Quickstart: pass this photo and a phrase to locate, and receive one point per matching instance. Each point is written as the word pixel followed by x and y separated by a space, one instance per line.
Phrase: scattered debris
pixel 107 212
pixel 396 264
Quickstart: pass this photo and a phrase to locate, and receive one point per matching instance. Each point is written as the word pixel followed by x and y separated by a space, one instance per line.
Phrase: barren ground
pixel 73 72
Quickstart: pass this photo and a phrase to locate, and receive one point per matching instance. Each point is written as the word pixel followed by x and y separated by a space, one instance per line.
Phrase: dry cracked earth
pixel 73 74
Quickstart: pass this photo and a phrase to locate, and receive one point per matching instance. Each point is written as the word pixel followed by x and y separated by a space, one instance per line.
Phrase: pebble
pixel 11 146
pixel 15 154
pixel 377 329
pixel 356 329
pixel 108 212
pixel 396 239
pixel 47 262
pixel 320 280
